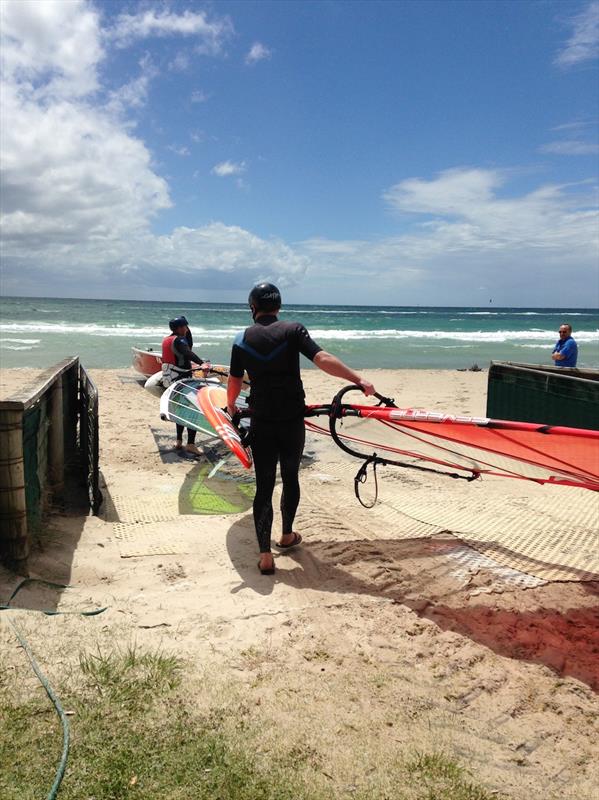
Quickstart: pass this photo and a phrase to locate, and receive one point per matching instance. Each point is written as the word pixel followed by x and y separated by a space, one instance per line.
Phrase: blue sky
pixel 379 152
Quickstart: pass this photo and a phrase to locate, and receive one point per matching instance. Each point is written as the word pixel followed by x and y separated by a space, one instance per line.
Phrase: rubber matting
pixel 554 537
pixel 142 509
pixel 383 521
pixel 550 532
pixel 471 561
pixel 155 539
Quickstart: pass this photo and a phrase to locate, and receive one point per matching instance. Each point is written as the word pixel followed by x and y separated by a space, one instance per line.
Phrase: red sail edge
pixel 540 453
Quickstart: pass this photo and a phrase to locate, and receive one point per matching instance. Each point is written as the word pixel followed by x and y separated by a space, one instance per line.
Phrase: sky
pixel 387 153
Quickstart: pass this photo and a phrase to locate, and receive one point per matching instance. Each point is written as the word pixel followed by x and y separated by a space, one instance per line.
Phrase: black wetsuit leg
pixel 271 442
pixel 291 449
pixel 265 455
pixel 191 434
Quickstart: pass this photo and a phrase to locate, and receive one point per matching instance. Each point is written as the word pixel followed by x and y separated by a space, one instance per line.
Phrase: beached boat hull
pixel 148 362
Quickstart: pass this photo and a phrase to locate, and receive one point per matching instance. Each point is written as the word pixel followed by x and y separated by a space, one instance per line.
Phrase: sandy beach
pixel 455 616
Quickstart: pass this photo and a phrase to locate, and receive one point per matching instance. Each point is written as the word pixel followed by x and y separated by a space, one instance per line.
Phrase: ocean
pixel 38 332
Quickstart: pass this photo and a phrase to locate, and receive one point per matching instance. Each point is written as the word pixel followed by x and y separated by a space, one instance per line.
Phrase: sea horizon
pixel 294 305
pixel 38 331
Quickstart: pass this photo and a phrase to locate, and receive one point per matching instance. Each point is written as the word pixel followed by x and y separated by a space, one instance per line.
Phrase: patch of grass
pixel 30 745
pixel 137 733
pixel 176 758
pixel 131 677
pixel 318 654
pixel 441 778
pixel 380 679
pixel 254 658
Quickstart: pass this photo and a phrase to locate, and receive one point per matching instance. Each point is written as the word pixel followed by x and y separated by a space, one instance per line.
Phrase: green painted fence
pixel 551 395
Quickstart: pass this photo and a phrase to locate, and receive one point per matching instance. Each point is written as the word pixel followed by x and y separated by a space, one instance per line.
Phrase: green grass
pixel 441 778
pixel 130 677
pixel 133 735
pixel 138 731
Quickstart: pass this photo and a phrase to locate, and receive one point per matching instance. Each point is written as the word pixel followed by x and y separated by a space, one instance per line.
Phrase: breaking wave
pixel 7 343
pixel 138 334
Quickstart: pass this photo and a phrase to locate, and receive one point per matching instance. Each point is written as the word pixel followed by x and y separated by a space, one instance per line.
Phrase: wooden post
pixel 14 540
pixel 56 443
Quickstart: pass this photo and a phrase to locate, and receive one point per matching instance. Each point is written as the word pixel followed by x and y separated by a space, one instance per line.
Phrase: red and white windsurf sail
pixel 462 446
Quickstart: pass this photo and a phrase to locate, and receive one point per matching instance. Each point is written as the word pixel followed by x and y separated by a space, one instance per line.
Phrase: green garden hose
pixel 42 678
pixel 59 710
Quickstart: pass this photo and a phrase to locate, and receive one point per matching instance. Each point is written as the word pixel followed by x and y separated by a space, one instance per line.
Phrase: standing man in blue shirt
pixel 565 352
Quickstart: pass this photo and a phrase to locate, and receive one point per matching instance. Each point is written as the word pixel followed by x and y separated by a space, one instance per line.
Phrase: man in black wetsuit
pixel 178 355
pixel 269 350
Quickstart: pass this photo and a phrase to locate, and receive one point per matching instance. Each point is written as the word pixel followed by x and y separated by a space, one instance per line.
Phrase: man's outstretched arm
pixel 334 366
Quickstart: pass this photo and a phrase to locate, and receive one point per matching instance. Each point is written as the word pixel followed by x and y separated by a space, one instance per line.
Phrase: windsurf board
pixel 212 401
pixel 199 404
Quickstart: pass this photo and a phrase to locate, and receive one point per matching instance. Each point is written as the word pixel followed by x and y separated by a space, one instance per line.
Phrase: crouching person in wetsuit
pixel 177 358
pixel 269 350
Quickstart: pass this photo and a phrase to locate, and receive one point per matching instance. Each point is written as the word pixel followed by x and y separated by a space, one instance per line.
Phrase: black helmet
pixel 177 322
pixel 265 297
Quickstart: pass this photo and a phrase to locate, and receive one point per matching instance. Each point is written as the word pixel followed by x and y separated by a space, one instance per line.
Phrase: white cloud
pixel 454 191
pixel 571 147
pixel 225 248
pixel 154 22
pixel 576 125
pixel 583 44
pixel 470 236
pixel 581 141
pixel 79 189
pixel 216 255
pixel 180 62
pixel 52 46
pixel 71 173
pixel 468 214
pixel 257 52
pixel 226 168
pixel 133 94
pixel 178 151
pixel 198 96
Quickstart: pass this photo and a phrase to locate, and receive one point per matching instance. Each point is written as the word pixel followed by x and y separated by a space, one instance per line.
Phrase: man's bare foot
pixel 193 448
pixel 178 445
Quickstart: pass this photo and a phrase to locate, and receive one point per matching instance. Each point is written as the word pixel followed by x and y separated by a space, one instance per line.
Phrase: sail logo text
pixel 410 414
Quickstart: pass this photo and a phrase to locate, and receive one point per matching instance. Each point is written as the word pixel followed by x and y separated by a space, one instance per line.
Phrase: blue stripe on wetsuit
pixel 240 342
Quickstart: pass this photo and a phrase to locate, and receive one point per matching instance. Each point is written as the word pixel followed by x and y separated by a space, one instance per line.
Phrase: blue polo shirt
pixel 569 349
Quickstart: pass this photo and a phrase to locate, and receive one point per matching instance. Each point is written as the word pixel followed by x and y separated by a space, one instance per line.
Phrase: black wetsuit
pixel 184 355
pixel 269 350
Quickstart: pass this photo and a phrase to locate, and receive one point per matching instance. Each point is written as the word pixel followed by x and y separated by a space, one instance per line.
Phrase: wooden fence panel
pixel 46 429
